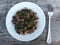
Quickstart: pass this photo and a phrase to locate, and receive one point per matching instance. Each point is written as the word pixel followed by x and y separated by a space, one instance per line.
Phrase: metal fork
pixel 50 14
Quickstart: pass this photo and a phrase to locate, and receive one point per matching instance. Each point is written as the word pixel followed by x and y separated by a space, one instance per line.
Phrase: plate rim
pixel 44 17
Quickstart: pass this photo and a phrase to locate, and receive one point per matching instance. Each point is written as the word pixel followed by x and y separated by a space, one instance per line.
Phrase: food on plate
pixel 25 21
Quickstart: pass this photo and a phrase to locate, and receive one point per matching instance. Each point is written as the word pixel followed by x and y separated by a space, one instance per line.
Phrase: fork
pixel 50 14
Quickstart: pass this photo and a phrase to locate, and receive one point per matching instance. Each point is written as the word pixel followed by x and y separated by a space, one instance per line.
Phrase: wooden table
pixel 7 39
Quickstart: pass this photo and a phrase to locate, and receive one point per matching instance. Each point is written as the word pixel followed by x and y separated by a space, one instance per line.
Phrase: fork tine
pixel 50 8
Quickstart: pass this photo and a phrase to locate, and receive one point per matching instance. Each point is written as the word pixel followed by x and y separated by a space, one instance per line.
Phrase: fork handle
pixel 49 39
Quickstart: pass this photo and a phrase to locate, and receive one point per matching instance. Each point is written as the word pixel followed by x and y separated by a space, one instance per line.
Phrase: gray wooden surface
pixel 5 37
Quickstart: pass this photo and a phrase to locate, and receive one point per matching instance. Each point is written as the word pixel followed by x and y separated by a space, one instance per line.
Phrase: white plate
pixel 40 25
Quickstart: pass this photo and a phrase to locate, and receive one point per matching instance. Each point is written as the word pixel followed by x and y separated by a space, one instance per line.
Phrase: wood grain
pixel 7 39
